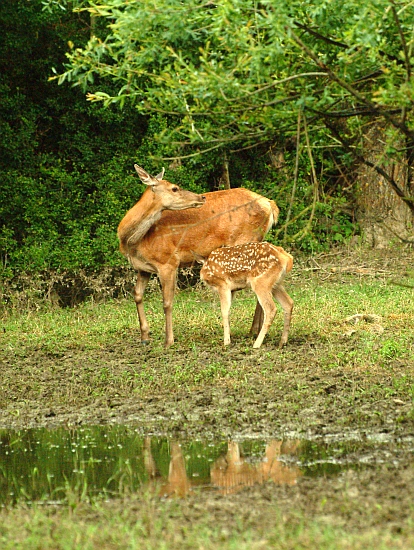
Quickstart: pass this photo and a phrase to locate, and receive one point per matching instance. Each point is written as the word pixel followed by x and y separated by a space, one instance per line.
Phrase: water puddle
pixel 59 465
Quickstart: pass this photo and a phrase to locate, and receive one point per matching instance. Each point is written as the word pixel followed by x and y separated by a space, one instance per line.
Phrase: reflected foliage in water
pixel 42 463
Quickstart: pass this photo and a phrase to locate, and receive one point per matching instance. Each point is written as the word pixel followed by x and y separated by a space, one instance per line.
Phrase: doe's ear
pixel 160 175
pixel 147 178
pixel 143 175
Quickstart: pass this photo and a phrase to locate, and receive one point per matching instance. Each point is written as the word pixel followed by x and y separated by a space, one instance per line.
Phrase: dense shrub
pixel 66 165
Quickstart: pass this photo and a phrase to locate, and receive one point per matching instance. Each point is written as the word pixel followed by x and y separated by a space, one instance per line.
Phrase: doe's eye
pixel 175 189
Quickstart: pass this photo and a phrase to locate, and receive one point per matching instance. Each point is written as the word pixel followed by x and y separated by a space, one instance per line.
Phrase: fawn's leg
pixel 286 303
pixel 269 310
pixel 225 303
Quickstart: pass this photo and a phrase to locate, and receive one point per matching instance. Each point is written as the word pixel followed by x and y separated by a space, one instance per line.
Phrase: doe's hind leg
pixel 257 320
pixel 269 311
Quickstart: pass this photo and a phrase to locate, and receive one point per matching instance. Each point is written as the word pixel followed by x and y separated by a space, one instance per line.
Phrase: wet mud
pixel 294 397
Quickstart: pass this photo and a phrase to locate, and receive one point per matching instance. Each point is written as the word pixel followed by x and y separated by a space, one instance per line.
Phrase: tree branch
pixel 357 111
pixel 343 84
pixel 320 36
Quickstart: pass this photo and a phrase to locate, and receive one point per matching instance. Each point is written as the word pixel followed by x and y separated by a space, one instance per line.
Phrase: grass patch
pixel 146 522
pixel 320 313
pixel 321 337
pixel 87 326
pixel 338 374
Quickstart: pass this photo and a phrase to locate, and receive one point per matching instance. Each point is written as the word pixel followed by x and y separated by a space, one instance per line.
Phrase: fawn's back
pixel 239 265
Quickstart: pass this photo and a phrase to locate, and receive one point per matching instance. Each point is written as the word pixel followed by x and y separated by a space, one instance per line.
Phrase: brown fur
pixel 177 237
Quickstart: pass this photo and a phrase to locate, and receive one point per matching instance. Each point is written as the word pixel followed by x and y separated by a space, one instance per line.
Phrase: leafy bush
pixel 67 165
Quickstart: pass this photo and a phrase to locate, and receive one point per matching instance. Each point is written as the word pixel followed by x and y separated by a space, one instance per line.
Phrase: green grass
pixel 320 314
pixel 91 354
pixel 138 523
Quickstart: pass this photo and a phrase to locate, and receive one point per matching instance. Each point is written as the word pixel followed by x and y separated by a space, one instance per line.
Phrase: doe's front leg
pixel 168 281
pixel 139 289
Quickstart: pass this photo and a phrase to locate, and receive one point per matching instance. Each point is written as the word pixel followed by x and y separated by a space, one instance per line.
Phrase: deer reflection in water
pixel 177 483
pixel 229 473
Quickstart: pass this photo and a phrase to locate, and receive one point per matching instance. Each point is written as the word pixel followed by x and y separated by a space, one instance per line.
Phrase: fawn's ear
pixel 198 258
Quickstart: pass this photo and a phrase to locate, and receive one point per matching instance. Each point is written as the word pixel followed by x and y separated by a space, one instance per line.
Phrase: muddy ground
pixel 293 396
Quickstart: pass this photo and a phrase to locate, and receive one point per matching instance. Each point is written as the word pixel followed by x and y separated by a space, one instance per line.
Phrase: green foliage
pixel 239 72
pixel 67 164
pixel 235 75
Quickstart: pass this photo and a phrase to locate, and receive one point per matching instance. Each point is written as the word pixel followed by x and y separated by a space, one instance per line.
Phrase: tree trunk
pixel 225 175
pixel 382 215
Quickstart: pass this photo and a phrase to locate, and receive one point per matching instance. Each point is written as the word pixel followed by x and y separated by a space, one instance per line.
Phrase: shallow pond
pixel 67 464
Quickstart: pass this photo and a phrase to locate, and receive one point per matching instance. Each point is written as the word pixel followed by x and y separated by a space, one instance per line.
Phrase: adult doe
pixel 158 236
